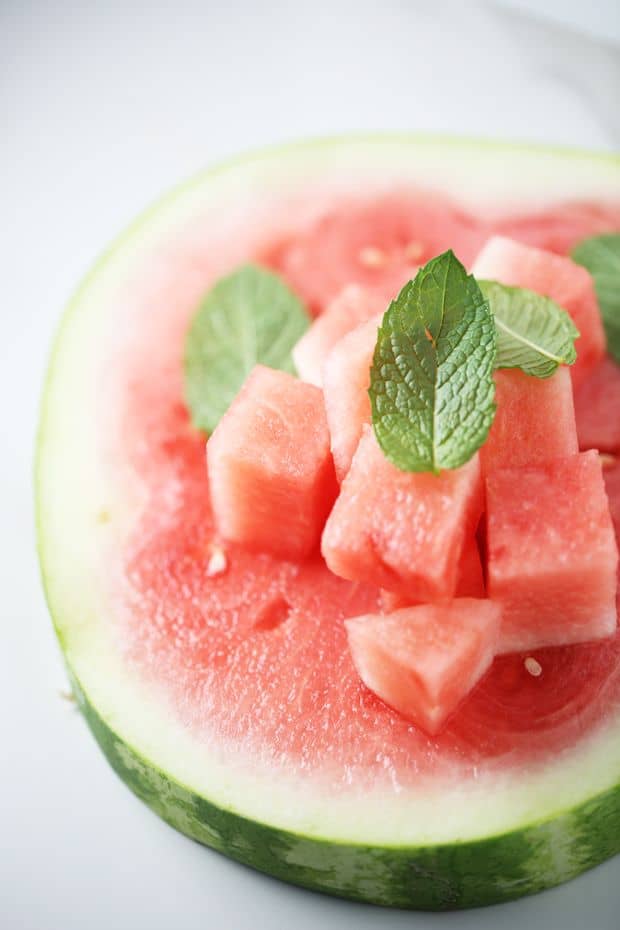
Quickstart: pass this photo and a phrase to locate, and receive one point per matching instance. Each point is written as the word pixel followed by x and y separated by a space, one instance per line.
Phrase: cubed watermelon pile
pixel 512 552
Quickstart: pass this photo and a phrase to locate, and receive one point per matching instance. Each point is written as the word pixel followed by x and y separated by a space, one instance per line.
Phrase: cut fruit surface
pixel 424 660
pixel 534 421
pixel 353 306
pixel 597 408
pixel 399 530
pixel 346 379
pixel 557 277
pixel 222 690
pixel 270 469
pixel 552 555
pixel 470 580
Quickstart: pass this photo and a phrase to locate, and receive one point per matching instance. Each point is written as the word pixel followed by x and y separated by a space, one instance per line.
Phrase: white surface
pixel 102 106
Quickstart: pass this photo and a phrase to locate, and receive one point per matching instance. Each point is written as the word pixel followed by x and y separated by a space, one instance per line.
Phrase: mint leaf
pixel 533 333
pixel 601 256
pixel 247 318
pixel 431 384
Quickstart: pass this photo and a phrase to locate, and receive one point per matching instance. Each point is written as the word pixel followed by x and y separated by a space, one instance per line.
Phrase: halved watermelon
pixel 227 699
pixel 534 421
pixel 555 276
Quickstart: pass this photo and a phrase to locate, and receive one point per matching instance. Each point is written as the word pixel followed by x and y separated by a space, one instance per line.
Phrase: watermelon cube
pixel 597 408
pixel 424 660
pixel 354 305
pixel 611 475
pixel 534 421
pixel 555 276
pixel 470 580
pixel 552 553
pixel 399 530
pixel 346 379
pixel 270 469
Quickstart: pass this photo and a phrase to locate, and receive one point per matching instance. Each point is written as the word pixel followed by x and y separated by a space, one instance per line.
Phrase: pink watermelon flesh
pixel 534 421
pixel 555 276
pixel 470 581
pixel 235 654
pixel 552 556
pixel 597 408
pixel 270 469
pixel 399 530
pixel 353 306
pixel 346 379
pixel 424 660
pixel 611 475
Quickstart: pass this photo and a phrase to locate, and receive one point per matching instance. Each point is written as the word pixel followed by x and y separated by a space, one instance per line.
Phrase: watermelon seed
pixel 273 615
pixel 372 257
pixel 218 563
pixel 533 666
pixel 414 251
pixel 607 460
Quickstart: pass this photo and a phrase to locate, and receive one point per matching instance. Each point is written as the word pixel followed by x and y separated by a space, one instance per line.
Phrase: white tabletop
pixel 102 106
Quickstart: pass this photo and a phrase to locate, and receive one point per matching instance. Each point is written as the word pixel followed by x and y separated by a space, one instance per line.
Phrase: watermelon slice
pixel 611 475
pixel 424 660
pixel 270 470
pixel 555 276
pixel 402 531
pixel 597 408
pixel 534 421
pixel 353 306
pixel 228 700
pixel 346 379
pixel 552 555
pixel 470 581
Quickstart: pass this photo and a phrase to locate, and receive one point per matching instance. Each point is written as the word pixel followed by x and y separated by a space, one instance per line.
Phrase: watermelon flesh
pixel 470 581
pixel 534 421
pixel 353 306
pixel 552 554
pixel 424 660
pixel 597 408
pixel 346 379
pixel 400 530
pixel 557 277
pixel 270 469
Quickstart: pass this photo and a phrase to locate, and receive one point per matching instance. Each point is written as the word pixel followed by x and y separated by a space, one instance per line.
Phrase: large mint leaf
pixel 533 333
pixel 247 318
pixel 431 384
pixel 601 256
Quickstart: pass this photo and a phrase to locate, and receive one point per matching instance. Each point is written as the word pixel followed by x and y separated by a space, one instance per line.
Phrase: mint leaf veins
pixel 431 381
pixel 248 317
pixel 601 256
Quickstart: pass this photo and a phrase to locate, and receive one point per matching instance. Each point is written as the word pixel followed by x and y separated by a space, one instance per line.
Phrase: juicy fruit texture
pixel 353 306
pixel 377 243
pixel 402 531
pixel 470 581
pixel 611 475
pixel 552 556
pixel 424 660
pixel 346 379
pixel 534 421
pixel 554 276
pixel 597 408
pixel 270 469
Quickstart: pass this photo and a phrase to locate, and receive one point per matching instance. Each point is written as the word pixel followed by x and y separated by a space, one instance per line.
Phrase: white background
pixel 102 106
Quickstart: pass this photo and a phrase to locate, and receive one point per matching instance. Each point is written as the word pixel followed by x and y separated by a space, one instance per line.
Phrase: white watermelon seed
pixel 218 563
pixel 413 251
pixel 372 257
pixel 533 666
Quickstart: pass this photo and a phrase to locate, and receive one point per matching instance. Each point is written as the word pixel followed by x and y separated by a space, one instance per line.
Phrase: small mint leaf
pixel 431 381
pixel 248 317
pixel 601 256
pixel 533 333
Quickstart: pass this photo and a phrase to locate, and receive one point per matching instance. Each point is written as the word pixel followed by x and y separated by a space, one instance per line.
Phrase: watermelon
pixel 271 472
pixel 552 555
pixel 470 581
pixel 534 421
pixel 346 379
pixel 611 476
pixel 555 276
pixel 225 694
pixel 424 660
pixel 353 306
pixel 597 408
pixel 400 530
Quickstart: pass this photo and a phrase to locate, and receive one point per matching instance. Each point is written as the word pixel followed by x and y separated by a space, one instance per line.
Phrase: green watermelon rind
pixel 535 854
